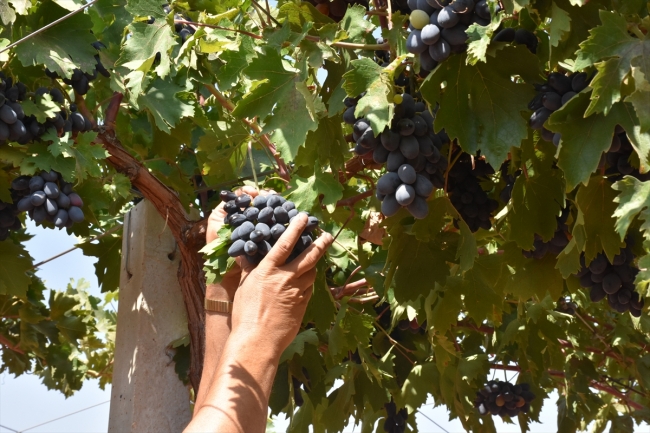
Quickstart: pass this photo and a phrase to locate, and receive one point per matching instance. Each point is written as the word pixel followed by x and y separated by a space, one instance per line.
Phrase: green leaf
pixel 61 48
pixel 276 82
pixel 107 268
pixel 417 386
pixel 354 24
pixel 166 109
pixel 376 105
pixel 305 192
pixel 141 48
pixel 146 8
pixel 640 98
pixel 536 202
pixel 480 105
pixel 611 48
pixel 43 109
pixel 297 346
pixel 633 201
pixel 560 24
pixel 15 263
pixel 295 115
pixel 235 61
pixel 596 202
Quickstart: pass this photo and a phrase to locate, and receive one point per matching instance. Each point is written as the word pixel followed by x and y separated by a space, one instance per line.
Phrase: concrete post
pixel 147 395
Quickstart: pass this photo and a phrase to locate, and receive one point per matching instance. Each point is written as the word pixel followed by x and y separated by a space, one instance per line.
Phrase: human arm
pixel 268 310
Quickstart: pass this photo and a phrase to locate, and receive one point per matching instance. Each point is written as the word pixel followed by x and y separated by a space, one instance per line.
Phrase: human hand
pixel 272 298
pixel 231 279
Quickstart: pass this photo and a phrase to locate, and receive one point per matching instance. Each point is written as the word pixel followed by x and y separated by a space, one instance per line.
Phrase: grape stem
pixel 9 345
pixel 83 108
pixel 267 12
pixel 283 170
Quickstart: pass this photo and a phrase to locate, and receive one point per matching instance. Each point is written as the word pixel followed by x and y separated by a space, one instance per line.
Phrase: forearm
pixel 217 331
pixel 238 394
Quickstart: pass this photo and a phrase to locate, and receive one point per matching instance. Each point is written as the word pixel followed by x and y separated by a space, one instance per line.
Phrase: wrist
pixel 262 344
pixel 218 292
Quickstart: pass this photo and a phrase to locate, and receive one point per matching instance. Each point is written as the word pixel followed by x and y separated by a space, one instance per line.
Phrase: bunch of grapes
pixel 466 193
pixel 503 399
pixel 395 421
pixel 258 224
pixel 16 126
pixel 557 243
pixel 618 158
pixel 80 81
pixel 518 36
pixel 335 9
pixel 45 197
pixel 614 281
pixel 438 28
pixel 510 179
pixel 552 95
pixel 411 152
pixel 412 326
pixel 566 306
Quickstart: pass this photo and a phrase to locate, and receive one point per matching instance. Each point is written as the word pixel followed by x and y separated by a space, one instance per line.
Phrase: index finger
pixel 283 247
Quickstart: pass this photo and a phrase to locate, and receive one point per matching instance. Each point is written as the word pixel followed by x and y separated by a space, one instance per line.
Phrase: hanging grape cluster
pixel 557 243
pixel 519 37
pixel 617 158
pixel 503 399
pixel 438 28
pixel 395 421
pixel 614 281
pixel 466 193
pixel 335 9
pixel 411 152
pixel 80 81
pixel 46 197
pixel 551 96
pixel 18 127
pixel 566 306
pixel 258 224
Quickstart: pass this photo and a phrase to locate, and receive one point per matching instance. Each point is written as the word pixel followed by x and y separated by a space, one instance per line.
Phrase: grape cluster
pixel 503 398
pixel 395 421
pixel 411 152
pixel 557 243
pixel 45 197
pixel 258 224
pixel 509 179
pixel 438 28
pixel 466 194
pixel 412 326
pixel 566 306
pixel 16 126
pixel 614 281
pixel 518 36
pixel 335 9
pixel 618 158
pixel 552 95
pixel 80 81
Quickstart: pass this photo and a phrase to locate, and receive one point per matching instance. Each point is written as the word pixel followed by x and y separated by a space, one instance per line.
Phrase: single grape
pixel 405 194
pixel 419 18
pixel 76 214
pixel 390 206
pixel 237 248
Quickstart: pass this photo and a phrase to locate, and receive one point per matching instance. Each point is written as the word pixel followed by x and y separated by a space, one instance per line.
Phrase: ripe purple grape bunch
pixel 411 152
pixel 503 399
pixel 614 281
pixel 46 197
pixel 438 28
pixel 395 421
pixel 551 96
pixel 258 223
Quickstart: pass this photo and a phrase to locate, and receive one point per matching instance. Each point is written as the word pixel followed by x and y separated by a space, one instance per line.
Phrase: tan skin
pixel 243 350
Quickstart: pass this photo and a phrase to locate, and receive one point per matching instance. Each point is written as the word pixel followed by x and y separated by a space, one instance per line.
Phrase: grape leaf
pixel 611 49
pixel 480 105
pixel 596 201
pixel 108 253
pixel 532 277
pixel 536 202
pixel 61 48
pixel 633 201
pixel 640 98
pixel 295 115
pixel 560 24
pixel 276 82
pixel 163 104
pixel 15 262
pixel 442 307
pixel 416 387
pixel 235 62
pixel 7 13
pixel 43 109
pixel 376 105
pixel 305 192
pixel 297 346
pixel 146 41
pixel 354 24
